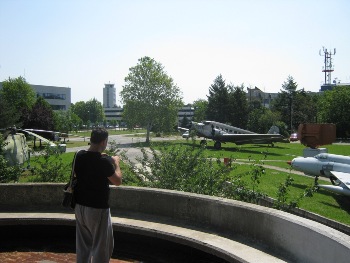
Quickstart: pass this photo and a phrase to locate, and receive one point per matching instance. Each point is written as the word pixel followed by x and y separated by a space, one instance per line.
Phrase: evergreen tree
pixel 295 106
pixel 238 109
pixel 218 101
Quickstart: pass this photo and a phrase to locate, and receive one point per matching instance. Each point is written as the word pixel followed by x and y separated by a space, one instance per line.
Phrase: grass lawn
pixel 324 203
pixel 327 204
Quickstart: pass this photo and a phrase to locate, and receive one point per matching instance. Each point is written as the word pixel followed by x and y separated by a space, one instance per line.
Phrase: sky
pixel 84 44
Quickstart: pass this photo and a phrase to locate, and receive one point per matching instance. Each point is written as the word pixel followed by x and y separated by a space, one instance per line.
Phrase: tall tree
pixel 150 97
pixel 285 101
pixel 295 106
pixel 40 116
pixel 18 93
pixel 218 101
pixel 238 108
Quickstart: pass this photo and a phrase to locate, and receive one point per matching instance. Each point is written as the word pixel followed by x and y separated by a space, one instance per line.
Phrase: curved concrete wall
pixel 296 238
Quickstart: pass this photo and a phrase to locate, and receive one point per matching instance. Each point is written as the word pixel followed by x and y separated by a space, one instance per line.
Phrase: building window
pixel 52 96
pixel 58 107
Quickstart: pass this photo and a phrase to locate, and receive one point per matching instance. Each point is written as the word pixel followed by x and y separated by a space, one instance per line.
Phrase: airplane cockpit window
pixel 321 156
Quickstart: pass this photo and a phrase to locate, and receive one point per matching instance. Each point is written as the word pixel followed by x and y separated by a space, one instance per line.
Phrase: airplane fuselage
pixel 322 164
pixel 335 167
pixel 315 167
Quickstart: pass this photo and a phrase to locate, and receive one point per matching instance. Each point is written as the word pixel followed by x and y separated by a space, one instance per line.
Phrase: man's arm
pixel 116 178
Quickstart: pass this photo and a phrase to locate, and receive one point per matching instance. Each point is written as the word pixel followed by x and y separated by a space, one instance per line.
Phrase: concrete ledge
pixel 232 230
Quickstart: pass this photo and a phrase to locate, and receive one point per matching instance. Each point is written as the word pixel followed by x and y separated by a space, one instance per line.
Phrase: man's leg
pixel 102 247
pixel 83 235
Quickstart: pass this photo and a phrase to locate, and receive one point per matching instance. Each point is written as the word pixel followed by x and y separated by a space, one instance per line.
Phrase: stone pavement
pixel 44 257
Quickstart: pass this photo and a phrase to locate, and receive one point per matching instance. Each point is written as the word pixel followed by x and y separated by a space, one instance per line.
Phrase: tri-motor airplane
pixel 333 166
pixel 222 133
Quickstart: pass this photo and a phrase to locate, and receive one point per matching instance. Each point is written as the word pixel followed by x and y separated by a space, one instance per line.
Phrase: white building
pixel 188 111
pixel 109 96
pixel 58 97
pixel 115 113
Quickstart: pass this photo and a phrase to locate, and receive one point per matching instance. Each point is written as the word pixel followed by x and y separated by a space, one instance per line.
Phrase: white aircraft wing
pixel 40 137
pixel 343 177
pixel 182 129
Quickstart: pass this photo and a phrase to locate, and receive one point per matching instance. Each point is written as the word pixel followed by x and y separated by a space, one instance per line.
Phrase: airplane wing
pixel 343 177
pixel 39 137
pixel 342 188
pixel 182 129
pixel 250 138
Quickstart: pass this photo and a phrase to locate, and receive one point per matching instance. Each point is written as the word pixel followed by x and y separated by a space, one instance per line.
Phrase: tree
pixel 261 119
pixel 335 109
pixel 304 108
pixel 150 97
pixel 238 108
pixel 40 116
pixel 295 106
pixel 285 101
pixel 18 93
pixel 185 122
pixel 218 101
pixel 95 111
pixel 79 108
pixel 8 114
pixel 66 121
pixel 89 112
pixel 200 109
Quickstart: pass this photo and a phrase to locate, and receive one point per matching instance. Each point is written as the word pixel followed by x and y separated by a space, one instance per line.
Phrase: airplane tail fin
pixel 274 130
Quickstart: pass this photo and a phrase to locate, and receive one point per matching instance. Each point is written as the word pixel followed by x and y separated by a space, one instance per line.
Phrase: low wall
pixel 296 238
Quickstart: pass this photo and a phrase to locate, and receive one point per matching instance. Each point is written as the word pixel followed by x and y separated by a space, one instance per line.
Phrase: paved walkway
pixel 44 257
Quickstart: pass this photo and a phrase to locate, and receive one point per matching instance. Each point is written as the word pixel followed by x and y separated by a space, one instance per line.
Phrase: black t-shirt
pixel 92 170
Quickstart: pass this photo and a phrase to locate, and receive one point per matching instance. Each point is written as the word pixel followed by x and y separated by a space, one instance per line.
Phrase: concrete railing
pixel 290 237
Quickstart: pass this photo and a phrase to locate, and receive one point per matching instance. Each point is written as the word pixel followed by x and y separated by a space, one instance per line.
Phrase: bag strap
pixel 73 167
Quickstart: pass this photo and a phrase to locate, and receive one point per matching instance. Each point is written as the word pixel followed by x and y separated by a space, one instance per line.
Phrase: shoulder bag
pixel 68 196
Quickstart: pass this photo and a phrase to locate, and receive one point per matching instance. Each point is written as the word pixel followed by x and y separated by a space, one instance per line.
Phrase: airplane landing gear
pixel 217 145
pixel 334 180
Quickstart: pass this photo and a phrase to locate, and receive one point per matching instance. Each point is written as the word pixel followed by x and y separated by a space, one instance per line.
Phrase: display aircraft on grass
pixel 333 166
pixel 16 150
pixel 222 133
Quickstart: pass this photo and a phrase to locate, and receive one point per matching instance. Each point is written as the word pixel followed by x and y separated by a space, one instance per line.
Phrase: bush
pixel 50 166
pixel 187 169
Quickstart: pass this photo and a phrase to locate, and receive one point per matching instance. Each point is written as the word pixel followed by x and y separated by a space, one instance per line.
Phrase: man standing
pixel 94 170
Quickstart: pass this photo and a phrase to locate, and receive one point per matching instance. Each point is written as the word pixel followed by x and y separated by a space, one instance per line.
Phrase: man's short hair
pixel 98 135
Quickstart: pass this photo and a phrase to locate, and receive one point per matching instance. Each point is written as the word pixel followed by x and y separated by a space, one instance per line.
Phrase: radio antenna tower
pixel 328 65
